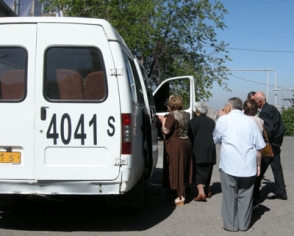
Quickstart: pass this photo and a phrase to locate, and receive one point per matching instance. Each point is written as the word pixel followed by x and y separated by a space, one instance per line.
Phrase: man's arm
pixel 258 162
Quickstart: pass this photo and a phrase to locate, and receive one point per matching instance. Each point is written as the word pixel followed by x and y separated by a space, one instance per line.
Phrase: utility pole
pixel 17 7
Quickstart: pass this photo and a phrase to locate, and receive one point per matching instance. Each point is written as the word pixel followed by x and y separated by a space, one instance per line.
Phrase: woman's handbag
pixel 267 151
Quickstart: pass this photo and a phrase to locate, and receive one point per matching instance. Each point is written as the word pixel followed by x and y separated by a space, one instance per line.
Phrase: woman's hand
pixel 162 119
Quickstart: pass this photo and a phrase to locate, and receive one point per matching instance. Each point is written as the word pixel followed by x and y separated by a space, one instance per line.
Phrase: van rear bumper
pixel 55 187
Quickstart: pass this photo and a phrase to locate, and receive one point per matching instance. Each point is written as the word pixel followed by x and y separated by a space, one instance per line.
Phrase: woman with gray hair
pixel 204 152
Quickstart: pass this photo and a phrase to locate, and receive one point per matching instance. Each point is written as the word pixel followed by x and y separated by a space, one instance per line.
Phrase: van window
pixel 148 87
pixel 178 86
pixel 13 63
pixel 138 84
pixel 74 74
pixel 131 79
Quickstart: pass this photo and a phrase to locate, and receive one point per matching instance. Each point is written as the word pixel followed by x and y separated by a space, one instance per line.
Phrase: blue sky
pixel 260 34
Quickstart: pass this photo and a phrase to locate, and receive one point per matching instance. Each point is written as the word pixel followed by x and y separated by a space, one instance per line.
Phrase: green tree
pixel 288 120
pixel 171 37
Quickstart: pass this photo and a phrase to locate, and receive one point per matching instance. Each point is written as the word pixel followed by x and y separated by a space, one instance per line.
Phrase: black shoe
pixel 278 196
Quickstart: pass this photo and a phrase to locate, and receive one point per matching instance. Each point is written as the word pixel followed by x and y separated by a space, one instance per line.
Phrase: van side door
pixel 150 128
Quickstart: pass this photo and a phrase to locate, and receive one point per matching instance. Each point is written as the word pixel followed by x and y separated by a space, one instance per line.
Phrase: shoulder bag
pixel 267 151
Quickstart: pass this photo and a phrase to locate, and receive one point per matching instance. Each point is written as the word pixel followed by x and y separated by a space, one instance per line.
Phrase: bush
pixel 288 120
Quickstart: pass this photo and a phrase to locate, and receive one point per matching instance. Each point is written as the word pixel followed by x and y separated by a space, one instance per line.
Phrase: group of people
pixel 190 153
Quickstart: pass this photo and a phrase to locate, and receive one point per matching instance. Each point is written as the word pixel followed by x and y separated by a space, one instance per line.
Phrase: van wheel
pixel 137 197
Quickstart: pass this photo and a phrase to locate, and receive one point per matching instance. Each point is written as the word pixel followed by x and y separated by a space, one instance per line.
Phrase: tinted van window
pixel 74 74
pixel 13 63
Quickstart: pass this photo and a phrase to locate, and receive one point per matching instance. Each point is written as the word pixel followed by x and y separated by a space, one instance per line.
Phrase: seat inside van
pixel 12 84
pixel 70 84
pixel 95 86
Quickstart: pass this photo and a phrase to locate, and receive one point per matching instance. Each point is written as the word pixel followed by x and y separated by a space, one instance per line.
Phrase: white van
pixel 78 115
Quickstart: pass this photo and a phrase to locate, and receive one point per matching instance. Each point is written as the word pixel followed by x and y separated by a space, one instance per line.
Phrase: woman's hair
pixel 175 102
pixel 250 107
pixel 201 107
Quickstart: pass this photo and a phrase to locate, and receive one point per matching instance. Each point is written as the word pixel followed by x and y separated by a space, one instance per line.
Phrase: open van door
pixel 182 85
pixel 150 125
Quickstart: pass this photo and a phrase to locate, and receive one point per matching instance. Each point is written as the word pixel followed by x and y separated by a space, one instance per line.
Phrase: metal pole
pixel 267 84
pixel 276 89
pixel 17 7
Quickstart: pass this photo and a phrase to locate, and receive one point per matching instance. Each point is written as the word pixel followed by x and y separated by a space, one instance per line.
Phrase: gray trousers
pixel 236 201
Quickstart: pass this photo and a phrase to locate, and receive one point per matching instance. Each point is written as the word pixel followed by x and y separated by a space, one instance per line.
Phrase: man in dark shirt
pixel 275 129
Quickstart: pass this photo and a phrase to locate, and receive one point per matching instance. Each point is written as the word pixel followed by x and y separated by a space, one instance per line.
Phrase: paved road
pixel 85 216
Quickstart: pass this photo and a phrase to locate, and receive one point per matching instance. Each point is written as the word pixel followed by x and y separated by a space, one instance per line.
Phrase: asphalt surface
pixel 273 217
pixel 79 216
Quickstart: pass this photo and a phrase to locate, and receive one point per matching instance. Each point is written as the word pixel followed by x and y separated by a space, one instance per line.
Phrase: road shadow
pixel 87 213
pixel 257 213
pixel 267 187
pixel 191 189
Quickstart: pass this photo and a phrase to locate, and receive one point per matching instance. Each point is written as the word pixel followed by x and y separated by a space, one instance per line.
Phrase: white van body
pixel 78 113
pixel 78 116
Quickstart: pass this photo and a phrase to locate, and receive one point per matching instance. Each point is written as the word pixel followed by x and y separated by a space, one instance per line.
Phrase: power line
pixel 249 80
pixel 255 81
pixel 258 50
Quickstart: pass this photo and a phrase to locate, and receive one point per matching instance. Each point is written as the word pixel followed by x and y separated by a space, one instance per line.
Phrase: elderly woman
pixel 250 108
pixel 200 133
pixel 178 146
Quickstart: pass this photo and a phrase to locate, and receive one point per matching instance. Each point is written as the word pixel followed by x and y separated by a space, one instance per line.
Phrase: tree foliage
pixel 288 120
pixel 171 37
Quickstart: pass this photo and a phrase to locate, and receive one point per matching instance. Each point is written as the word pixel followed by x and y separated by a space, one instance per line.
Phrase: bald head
pixel 260 98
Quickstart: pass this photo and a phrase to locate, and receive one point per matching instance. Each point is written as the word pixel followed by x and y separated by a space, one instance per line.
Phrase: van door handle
pixel 43 113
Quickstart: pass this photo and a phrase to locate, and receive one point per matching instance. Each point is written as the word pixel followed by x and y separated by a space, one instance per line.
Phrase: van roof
pixel 110 31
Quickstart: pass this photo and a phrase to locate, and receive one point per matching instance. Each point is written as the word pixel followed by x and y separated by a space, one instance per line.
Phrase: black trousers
pixel 275 163
pixel 203 174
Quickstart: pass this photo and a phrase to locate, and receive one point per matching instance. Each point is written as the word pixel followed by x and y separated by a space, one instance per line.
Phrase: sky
pixel 260 34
